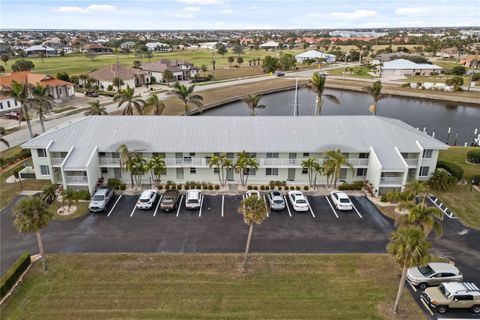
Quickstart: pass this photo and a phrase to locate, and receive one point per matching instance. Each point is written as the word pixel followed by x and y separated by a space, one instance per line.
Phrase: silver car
pixel 276 200
pixel 433 274
pixel 100 199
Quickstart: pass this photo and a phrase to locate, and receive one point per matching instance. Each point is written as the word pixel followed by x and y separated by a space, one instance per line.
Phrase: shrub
pixel 123 186
pixel 476 77
pixel 217 187
pixel 8 280
pixel 292 188
pixel 267 187
pixel 84 195
pixel 179 186
pixel 476 180
pixel 473 156
pixel 297 188
pixel 459 70
pixel 255 188
pixel 397 196
pixel 160 187
pixel 24 154
pixel 279 187
pixel 114 183
pixel 262 187
pixel 357 185
pixel 384 198
pixel 305 188
pixel 249 187
pixel 453 168
pixel 441 181
pixel 110 87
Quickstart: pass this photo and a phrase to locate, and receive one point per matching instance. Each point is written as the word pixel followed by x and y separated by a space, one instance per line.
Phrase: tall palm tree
pixel 20 92
pixel 49 193
pixel 188 97
pixel 2 140
pixel 418 189
pixel 138 167
pixel 252 101
pixel 317 169
pixel 317 85
pixel 428 219
pixel 156 166
pixel 158 106
pixel 127 97
pixel 125 160
pixel 311 165
pixel 221 163
pixel 95 109
pixel 245 162
pixel 375 91
pixel 32 215
pixel 69 198
pixel 41 102
pixel 335 160
pixel 409 247
pixel 254 211
pixel 167 75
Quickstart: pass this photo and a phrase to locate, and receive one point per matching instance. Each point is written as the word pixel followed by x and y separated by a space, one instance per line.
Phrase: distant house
pixel 127 45
pixel 470 61
pixel 269 45
pixel 313 55
pixel 402 67
pixel 57 88
pixel 383 57
pixel 39 49
pixel 95 48
pixel 181 70
pixel 452 52
pixel 130 76
pixel 4 47
pixel 158 46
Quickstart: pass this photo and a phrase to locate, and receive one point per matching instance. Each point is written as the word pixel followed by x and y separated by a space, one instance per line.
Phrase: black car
pixel 92 94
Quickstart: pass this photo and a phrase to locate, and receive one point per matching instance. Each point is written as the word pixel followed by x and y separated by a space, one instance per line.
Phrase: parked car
pixel 433 274
pixel 170 200
pixel 453 295
pixel 194 199
pixel 250 193
pixel 341 200
pixel 100 199
pixel 147 199
pixel 279 73
pixel 298 201
pixel 276 200
pixel 13 115
pixel 92 94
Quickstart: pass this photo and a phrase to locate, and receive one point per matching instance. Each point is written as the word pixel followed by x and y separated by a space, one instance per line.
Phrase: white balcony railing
pixel 412 163
pixel 56 162
pixel 391 181
pixel 76 180
pixel 109 162
pixel 358 162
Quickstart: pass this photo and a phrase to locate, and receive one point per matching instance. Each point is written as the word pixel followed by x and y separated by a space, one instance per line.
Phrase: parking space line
pixel 180 205
pixel 265 200
pixel 355 208
pixel 114 205
pixel 223 201
pixel 133 211
pixel 426 306
pixel 288 208
pixel 201 206
pixel 411 285
pixel 333 209
pixel 310 208
pixel 158 205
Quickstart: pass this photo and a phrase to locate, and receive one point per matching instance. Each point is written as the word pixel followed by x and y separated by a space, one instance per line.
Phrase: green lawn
pixel 358 72
pixel 458 156
pixel 209 286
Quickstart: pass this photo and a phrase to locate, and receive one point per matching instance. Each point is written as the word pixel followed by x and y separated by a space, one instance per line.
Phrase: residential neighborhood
pixel 225 159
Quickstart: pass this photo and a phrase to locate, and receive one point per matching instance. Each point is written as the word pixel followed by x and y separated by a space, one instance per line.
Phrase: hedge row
pixel 8 280
pixel 452 168
pixel 357 185
pixel 6 161
pixel 473 156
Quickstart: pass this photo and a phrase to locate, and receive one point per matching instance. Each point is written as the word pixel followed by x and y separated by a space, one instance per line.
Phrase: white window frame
pixel 273 171
pixel 41 171
pixel 420 172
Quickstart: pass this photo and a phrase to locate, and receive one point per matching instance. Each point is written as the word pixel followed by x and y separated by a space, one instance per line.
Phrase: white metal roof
pixel 311 54
pixel 208 134
pixel 270 44
pixel 39 47
pixel 407 64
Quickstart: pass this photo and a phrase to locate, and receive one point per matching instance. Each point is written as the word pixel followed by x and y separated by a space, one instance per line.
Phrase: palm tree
pixel 158 106
pixel 254 211
pixel 204 68
pixel 428 219
pixel 2 140
pixel 167 76
pixel 69 198
pixel 245 162
pixel 156 166
pixel 317 169
pixel 417 189
pixel 117 82
pixel 127 97
pixel 188 97
pixel 49 193
pixel 311 164
pixel 409 247
pixel 20 92
pixel 375 91
pixel 138 167
pixel 252 101
pixel 125 159
pixel 221 163
pixel 31 215
pixel 317 85
pixel 335 160
pixel 41 102
pixel 96 109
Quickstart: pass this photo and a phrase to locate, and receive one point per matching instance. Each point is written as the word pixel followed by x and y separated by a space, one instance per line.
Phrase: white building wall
pixel 93 172
pixel 41 161
pixel 9 104
pixel 374 170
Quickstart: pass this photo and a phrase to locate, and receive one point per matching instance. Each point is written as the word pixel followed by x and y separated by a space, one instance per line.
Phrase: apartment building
pixel 386 152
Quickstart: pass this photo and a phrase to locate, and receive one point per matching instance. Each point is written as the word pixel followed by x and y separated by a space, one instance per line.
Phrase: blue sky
pixel 236 14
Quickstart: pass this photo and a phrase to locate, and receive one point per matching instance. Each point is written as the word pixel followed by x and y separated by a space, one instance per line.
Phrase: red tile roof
pixel 31 78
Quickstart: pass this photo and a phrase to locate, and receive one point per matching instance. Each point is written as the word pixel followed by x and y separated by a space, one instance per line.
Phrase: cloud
pixel 357 14
pixel 226 11
pixel 90 9
pixel 191 9
pixel 201 2
pixel 413 11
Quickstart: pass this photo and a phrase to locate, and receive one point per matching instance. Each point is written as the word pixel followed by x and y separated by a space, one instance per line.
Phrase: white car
pixel 341 201
pixel 251 193
pixel 298 201
pixel 194 199
pixel 147 199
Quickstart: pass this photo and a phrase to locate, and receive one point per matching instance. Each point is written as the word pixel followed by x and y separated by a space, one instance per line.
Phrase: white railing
pixel 109 162
pixel 358 162
pixel 390 181
pixel 81 180
pixel 412 162
pixel 57 161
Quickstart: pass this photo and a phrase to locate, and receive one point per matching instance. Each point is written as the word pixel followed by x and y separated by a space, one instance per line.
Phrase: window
pixel 250 171
pixel 253 154
pixel 427 154
pixel 193 170
pixel 306 155
pixel 104 170
pixel 304 170
pixel 16 103
pixel 192 154
pixel 41 153
pixel 424 171
pixel 8 104
pixel 216 154
pixel 363 155
pixel 464 297
pixel 343 173
pixel 44 170
pixel 272 154
pixel 361 172
pixel 1 105
pixel 271 171
pixel 216 170
pixel 102 154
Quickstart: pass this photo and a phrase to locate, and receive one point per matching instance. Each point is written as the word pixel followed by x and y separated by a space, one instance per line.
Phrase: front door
pixel 179 173
pixel 291 174
pixel 230 174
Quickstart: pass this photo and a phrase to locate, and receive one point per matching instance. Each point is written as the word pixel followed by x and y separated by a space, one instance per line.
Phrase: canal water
pixel 432 115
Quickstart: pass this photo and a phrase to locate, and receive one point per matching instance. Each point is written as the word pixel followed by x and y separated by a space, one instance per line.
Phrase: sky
pixel 236 14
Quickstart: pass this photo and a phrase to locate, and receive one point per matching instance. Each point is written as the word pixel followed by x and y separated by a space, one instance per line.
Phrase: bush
pixel 384 198
pixel 255 188
pixel 476 180
pixel 160 187
pixel 262 187
pixel 123 186
pixel 217 187
pixel 110 87
pixel 8 280
pixel 357 185
pixel 179 186
pixel 297 188
pixel 292 188
pixel 305 188
pixel 476 77
pixel 114 183
pixel 267 188
pixel 249 187
pixel 83 195
pixel 23 154
pixel 452 168
pixel 279 187
pixel 441 181
pixel 459 70
pixel 473 156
